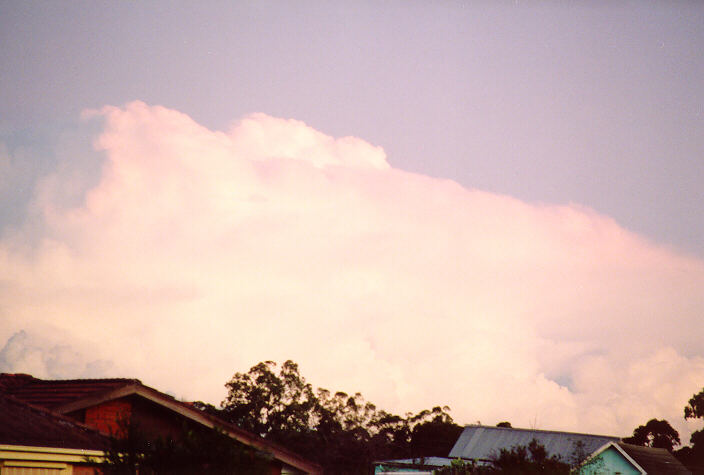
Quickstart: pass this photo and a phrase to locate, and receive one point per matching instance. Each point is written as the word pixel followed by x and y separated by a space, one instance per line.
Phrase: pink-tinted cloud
pixel 200 253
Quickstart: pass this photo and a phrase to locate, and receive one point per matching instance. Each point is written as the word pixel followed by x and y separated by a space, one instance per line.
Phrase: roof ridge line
pixel 543 430
pixel 46 411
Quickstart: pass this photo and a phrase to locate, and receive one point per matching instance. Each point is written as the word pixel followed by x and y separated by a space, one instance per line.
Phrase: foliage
pixel 461 467
pixel 341 432
pixel 528 459
pixel 659 433
pixel 262 402
pixel 655 433
pixel 695 408
pixel 517 460
pixel 192 451
pixel 693 456
pixel 435 437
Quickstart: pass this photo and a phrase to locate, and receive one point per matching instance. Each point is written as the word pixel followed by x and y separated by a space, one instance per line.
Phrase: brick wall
pixel 109 417
pixel 85 470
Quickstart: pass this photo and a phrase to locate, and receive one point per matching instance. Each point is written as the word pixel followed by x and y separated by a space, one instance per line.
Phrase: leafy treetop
pixel 655 433
pixel 342 432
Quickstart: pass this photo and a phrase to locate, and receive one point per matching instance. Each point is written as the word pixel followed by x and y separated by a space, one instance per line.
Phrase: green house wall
pixel 609 462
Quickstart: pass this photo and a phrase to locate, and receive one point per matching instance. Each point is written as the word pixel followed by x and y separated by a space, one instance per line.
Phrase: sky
pixel 489 205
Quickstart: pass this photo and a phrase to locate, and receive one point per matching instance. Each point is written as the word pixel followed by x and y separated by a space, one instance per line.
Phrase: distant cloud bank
pixel 199 253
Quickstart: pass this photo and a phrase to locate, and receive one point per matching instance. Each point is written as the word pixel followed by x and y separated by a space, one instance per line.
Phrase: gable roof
pixel 483 442
pixel 54 393
pixel 654 460
pixel 67 396
pixel 647 460
pixel 27 425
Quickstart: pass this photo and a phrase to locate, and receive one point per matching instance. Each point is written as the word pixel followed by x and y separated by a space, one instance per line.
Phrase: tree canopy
pixel 518 460
pixel 655 433
pixel 660 434
pixel 343 433
pixel 693 456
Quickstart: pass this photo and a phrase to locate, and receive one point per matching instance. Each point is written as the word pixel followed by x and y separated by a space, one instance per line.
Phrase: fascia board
pixel 603 448
pixel 192 414
pixel 91 401
pixel 53 454
pixel 630 459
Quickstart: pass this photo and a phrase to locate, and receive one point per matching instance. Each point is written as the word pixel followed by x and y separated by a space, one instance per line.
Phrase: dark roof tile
pixel 655 461
pixel 25 424
pixel 58 394
pixel 54 393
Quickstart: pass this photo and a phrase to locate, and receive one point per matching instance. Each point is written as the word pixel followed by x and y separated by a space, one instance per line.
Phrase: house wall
pixel 85 470
pixel 151 420
pixel 45 468
pixel 108 417
pixel 37 469
pixel 28 460
pixel 609 462
pixel 156 421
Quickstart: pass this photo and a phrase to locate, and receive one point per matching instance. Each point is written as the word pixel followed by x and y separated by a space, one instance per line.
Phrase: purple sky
pixel 573 133
pixel 597 104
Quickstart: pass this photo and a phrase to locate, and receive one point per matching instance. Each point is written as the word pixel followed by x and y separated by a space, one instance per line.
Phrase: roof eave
pixel 620 450
pixel 195 415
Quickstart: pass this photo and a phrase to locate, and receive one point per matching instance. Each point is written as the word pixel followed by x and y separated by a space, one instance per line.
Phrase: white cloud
pixel 200 253
pixel 43 358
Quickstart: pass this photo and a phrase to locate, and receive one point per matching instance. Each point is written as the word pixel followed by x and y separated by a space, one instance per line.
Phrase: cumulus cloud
pixel 200 253
pixel 43 358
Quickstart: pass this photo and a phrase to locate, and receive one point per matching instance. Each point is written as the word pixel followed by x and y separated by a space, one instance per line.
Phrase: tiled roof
pixel 24 424
pixel 483 442
pixel 54 393
pixel 655 461
pixel 66 396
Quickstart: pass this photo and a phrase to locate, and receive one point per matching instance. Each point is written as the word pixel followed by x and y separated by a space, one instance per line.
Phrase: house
pixel 627 459
pixel 481 443
pixel 34 440
pixel 106 404
pixel 415 466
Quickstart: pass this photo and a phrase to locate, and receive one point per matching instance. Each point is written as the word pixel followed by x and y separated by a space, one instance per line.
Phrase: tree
pixel 264 403
pixel 693 456
pixel 191 451
pixel 341 432
pixel 462 467
pixel 504 424
pixel 655 433
pixel 532 458
pixel 518 460
pixel 695 408
pixel 434 437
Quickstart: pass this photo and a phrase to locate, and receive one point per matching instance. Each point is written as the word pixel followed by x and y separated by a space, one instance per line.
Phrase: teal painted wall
pixel 385 469
pixel 609 462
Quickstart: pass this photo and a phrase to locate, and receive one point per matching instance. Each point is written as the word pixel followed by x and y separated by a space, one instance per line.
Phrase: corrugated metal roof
pixel 483 442
pixel 655 461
